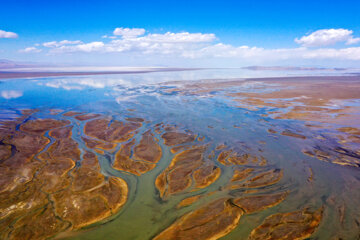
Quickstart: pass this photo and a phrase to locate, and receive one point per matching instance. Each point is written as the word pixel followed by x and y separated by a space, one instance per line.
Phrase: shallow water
pixel 144 95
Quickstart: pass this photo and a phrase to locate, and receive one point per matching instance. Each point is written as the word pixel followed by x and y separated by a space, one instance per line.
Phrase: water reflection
pixel 10 94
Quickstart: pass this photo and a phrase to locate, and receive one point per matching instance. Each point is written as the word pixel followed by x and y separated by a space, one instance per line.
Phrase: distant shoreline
pixel 12 75
pixel 4 75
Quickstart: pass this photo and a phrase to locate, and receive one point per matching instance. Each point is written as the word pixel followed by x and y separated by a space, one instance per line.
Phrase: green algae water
pixel 310 183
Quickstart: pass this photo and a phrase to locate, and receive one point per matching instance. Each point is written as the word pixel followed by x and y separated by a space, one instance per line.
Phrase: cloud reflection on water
pixel 11 94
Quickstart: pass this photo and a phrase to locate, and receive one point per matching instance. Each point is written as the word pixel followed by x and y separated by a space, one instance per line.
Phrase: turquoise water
pixel 213 116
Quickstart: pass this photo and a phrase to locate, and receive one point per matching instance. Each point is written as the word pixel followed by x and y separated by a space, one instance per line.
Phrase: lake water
pixel 214 117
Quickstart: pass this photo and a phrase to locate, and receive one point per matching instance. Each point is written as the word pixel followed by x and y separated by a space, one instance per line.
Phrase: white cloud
pixel 352 41
pixel 167 43
pixel 327 37
pixel 129 32
pixel 111 37
pixel 85 47
pixel 4 34
pixel 332 53
pixel 253 53
pixel 225 50
pixel 183 37
pixel 60 43
pixel 30 50
pixel 134 43
pixel 10 94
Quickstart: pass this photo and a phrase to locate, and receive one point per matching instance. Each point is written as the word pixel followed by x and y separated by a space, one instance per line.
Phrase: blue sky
pixel 234 33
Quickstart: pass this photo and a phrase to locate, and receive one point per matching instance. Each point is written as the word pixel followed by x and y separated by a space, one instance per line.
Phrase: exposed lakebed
pixel 114 157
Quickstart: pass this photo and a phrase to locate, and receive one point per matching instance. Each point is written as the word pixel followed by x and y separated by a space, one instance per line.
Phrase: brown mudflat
pixel 71 113
pixel 293 225
pixel 144 158
pixel 219 217
pixel 88 116
pixel 231 157
pixel 292 134
pixel 175 138
pixel 46 193
pixel 148 149
pixel 188 201
pixel 57 187
pixel 187 168
pixel 98 144
pixel 252 204
pixel 105 130
pixel 316 102
pixel 210 222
